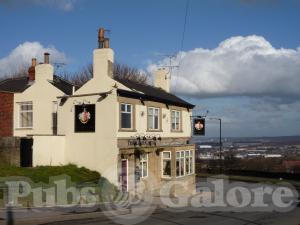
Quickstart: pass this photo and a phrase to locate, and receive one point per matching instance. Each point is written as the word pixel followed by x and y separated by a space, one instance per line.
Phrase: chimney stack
pixel 46 57
pixel 31 70
pixel 103 58
pixel 162 79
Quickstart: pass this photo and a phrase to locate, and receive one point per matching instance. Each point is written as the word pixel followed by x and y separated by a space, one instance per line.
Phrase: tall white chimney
pixel 103 57
pixel 162 79
pixel 45 71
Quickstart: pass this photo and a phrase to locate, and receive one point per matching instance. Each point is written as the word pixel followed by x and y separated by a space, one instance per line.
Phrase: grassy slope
pixel 42 173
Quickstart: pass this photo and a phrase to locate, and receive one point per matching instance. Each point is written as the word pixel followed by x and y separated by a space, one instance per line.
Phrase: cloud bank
pixel 239 66
pixel 21 56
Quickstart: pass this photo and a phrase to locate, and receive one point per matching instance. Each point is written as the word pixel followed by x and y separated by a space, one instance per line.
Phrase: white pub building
pixel 129 132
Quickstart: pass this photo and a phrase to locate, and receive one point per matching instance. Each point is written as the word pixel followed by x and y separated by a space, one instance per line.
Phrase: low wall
pixel 48 150
pixel 10 151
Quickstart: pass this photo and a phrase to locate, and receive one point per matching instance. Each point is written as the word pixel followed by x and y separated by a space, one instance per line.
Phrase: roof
pixel 151 93
pixel 20 84
pixel 15 85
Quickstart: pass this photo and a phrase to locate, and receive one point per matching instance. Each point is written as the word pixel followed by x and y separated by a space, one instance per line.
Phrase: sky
pixel 239 59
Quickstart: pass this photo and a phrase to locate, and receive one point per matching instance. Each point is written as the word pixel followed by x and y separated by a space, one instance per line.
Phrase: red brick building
pixel 6 114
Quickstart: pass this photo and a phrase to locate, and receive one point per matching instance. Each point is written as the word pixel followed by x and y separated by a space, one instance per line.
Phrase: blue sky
pixel 142 31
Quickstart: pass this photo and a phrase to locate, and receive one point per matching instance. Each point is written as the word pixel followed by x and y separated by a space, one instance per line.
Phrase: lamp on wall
pixel 164 115
pixel 142 113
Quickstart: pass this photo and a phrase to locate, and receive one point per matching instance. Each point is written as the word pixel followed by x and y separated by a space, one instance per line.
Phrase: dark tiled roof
pixel 20 84
pixel 151 93
pixel 15 85
pixel 63 85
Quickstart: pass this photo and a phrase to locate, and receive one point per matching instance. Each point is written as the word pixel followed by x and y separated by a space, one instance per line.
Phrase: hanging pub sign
pixel 85 118
pixel 199 126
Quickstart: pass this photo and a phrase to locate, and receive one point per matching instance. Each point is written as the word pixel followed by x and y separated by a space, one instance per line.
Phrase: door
pixel 26 152
pixel 124 175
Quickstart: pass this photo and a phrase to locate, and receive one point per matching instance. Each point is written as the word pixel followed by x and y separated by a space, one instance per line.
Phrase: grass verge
pixel 44 176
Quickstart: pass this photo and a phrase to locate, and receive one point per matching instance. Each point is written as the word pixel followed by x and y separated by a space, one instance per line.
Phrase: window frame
pixel 146 161
pixel 20 104
pixel 162 164
pixel 153 119
pixel 179 118
pixel 131 116
pixel 181 159
pixel 190 161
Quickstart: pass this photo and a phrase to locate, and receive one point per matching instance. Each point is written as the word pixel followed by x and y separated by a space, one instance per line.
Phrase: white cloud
pixel 65 5
pixel 21 56
pixel 239 66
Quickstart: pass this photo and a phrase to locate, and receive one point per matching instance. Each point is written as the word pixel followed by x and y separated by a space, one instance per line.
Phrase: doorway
pixel 124 175
pixel 26 152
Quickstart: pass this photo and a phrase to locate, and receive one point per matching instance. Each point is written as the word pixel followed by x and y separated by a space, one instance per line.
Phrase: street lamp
pixel 220 141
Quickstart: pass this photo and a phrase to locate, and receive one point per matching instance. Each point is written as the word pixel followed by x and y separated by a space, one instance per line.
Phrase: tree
pixel 120 71
pixel 21 71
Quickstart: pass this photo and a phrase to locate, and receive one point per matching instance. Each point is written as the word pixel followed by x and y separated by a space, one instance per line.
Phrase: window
pixel 189 162
pixel 166 164
pixel 126 116
pixel 153 118
pixel 54 118
pixel 175 120
pixel 26 115
pixel 184 163
pixel 180 164
pixel 144 165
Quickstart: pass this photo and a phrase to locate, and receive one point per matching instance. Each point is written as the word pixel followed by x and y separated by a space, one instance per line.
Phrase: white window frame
pixel 181 159
pixel 25 111
pixel 142 162
pixel 162 164
pixel 177 120
pixel 131 115
pixel 153 118
pixel 189 158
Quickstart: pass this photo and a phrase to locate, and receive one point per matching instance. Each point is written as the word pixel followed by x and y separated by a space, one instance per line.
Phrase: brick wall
pixel 6 114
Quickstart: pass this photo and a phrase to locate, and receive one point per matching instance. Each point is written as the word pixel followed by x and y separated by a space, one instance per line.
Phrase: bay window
pixel 166 164
pixel 184 163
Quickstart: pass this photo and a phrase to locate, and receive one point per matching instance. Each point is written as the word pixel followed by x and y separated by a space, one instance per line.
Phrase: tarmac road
pixel 160 216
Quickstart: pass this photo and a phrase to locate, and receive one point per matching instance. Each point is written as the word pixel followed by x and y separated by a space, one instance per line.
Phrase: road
pixel 160 216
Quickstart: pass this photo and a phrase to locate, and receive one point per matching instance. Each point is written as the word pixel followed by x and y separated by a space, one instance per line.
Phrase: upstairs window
pixel 26 115
pixel 175 120
pixel 153 118
pixel 126 116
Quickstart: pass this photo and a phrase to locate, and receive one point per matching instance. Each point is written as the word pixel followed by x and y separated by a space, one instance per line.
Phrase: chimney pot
pixel 106 43
pixel 31 70
pixel 46 57
pixel 33 62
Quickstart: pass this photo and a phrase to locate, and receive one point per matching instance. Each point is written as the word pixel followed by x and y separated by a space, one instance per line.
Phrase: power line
pixel 182 39
pixel 184 25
